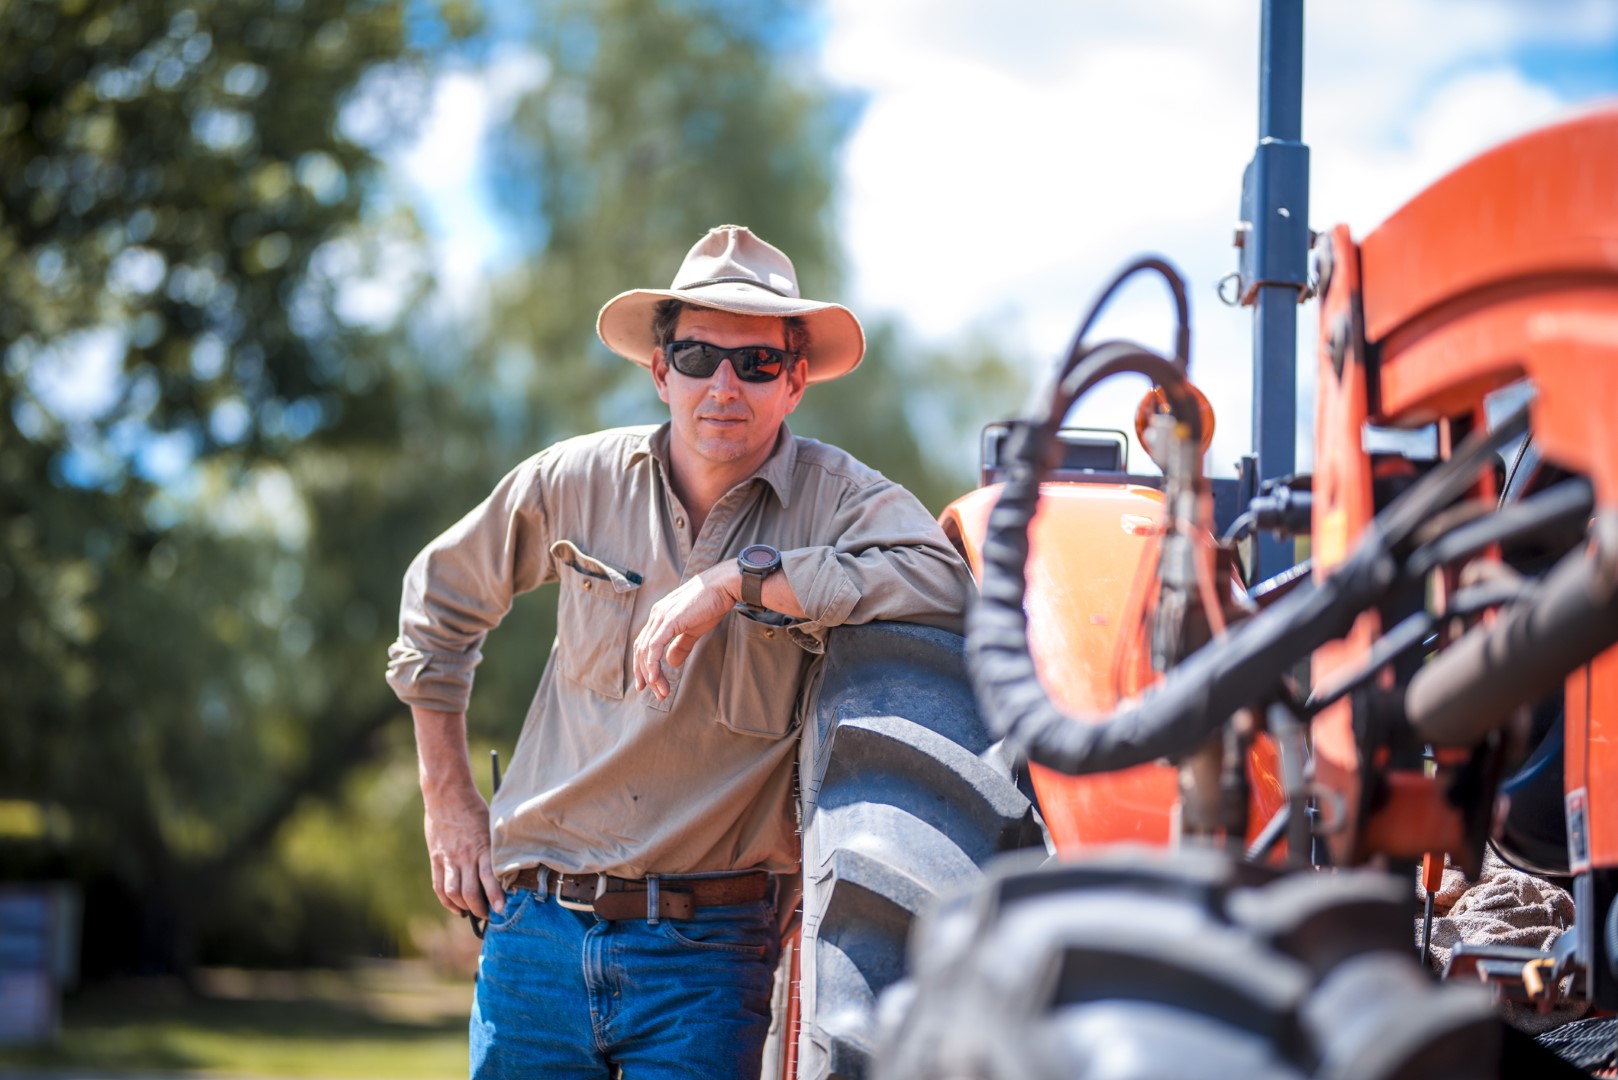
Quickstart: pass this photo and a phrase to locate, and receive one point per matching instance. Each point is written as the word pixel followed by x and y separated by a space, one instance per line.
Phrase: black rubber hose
pixel 1411 632
pixel 1447 481
pixel 1475 685
pixel 1270 835
pixel 1182 310
pixel 1178 714
pixel 1564 506
pixel 1091 366
pixel 1567 504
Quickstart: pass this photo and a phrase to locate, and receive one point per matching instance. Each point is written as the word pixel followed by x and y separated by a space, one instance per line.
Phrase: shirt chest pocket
pixel 593 620
pixel 762 677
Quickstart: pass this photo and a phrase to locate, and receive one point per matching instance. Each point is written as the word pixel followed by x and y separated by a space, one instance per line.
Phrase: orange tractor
pixel 1200 745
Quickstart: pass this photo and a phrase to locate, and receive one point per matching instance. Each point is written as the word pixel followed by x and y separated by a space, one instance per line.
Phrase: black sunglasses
pixel 751 363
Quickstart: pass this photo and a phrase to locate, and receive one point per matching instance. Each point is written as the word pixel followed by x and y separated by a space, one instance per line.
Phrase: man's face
pixel 722 422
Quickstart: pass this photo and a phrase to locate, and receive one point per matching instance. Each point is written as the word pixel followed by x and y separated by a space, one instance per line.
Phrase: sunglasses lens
pixel 757 364
pixel 694 358
pixel 751 363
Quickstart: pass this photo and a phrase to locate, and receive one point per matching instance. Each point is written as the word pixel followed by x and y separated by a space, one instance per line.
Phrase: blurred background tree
pixel 233 405
pixel 179 195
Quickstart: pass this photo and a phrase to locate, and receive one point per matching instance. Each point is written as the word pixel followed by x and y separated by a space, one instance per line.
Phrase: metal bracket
pixel 1275 212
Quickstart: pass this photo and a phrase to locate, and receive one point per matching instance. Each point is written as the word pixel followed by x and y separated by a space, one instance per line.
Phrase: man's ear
pixel 660 374
pixel 797 381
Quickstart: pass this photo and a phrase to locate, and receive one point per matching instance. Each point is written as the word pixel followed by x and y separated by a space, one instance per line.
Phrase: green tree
pixel 654 122
pixel 181 407
pixel 213 470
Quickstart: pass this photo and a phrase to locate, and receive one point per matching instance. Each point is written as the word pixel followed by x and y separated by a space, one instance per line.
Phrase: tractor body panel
pixel 1506 269
pixel 1086 594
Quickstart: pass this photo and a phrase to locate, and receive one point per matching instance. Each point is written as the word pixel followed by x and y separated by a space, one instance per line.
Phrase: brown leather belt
pixel 627 898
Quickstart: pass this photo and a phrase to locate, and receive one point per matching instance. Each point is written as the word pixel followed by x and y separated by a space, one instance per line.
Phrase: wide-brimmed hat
pixel 732 270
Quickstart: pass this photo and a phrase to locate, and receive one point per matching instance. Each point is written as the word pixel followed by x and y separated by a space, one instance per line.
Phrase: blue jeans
pixel 564 994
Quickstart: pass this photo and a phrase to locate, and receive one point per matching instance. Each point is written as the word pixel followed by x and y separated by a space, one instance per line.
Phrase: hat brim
pixel 836 340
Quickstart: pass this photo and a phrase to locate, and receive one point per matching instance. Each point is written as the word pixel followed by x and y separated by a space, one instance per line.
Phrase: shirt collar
pixel 776 470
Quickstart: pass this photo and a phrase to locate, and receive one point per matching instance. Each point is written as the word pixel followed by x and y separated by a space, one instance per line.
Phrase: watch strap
pixel 752 589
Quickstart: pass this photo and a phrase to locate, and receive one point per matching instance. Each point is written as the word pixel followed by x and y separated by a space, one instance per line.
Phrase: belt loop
pixel 544 889
pixel 653 896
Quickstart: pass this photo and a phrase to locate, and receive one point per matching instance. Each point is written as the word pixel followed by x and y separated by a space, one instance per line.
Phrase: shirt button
pixel 679 523
pixel 769 633
pixel 586 584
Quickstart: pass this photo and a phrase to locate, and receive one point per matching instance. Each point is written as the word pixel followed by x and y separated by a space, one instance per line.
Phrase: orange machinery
pixel 1091 548
pixel 1505 272
pixel 1426 644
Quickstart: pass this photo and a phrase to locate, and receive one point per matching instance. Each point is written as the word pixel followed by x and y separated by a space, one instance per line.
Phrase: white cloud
pixel 1012 155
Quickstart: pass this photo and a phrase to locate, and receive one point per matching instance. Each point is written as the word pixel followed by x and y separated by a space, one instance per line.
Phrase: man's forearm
pixel 445 768
pixel 457 819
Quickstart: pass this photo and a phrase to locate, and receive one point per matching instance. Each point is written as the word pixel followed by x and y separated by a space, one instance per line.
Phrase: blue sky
pixel 1574 70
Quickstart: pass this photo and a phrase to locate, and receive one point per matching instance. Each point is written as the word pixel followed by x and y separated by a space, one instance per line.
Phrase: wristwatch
pixel 756 562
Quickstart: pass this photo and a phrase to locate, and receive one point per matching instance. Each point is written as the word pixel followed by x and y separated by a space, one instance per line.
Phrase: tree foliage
pixel 178 194
pixel 654 122
pixel 230 411
pixel 172 171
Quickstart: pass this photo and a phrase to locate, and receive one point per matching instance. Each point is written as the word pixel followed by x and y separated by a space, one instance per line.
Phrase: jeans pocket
pixel 746 929
pixel 518 901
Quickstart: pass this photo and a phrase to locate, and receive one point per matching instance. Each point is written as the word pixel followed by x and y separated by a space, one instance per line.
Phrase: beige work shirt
pixel 605 779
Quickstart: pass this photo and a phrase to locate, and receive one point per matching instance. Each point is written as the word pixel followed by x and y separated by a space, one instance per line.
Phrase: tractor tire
pixel 1140 963
pixel 904 797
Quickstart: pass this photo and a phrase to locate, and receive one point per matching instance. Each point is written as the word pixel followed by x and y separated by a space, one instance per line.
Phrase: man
pixel 626 860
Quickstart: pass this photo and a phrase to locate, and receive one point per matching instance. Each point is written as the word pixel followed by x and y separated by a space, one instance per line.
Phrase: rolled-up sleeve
pixel 890 561
pixel 461 586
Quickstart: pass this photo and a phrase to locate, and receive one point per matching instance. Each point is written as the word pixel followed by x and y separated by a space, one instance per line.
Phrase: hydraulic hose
pixel 1091 366
pixel 1565 506
pixel 1409 633
pixel 1475 685
pixel 1195 697
pixel 1182 309
pixel 1548 512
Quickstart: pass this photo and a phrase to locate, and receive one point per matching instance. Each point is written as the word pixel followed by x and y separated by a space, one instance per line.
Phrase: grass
pixel 392 1020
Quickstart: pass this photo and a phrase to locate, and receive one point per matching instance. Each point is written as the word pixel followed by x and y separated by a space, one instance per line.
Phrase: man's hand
pixel 458 847
pixel 457 819
pixel 679 619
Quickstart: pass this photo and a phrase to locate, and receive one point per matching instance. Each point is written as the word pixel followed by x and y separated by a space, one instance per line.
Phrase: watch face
pixel 759 556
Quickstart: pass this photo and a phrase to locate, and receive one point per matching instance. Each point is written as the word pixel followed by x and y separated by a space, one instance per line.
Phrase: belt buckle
pixel 574 905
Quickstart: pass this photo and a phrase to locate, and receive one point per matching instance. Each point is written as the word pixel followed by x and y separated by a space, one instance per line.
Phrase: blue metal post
pixel 1275 252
